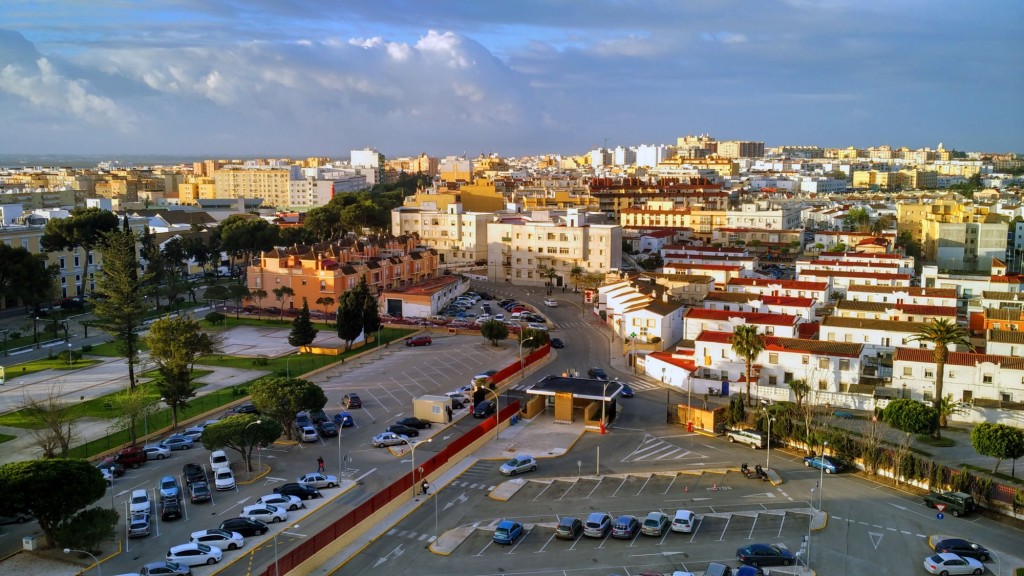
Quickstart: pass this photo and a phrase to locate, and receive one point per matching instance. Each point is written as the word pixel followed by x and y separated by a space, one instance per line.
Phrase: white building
pixel 650 155
pixel 969 377
pixel 459 237
pixel 761 216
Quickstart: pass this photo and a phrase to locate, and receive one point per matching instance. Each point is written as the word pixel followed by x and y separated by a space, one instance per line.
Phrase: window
pixel 929 373
pixel 76 261
pixel 908 371
pixel 805 360
pixel 773 358
pixel 844 364
pixel 62 266
pixel 986 378
pixel 823 363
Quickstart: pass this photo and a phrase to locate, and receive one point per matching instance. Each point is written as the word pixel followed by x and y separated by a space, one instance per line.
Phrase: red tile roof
pixel 722 250
pixel 861 255
pixel 908 290
pixel 808 330
pixel 675 361
pixel 845 274
pixel 958 358
pixel 851 263
pixel 1008 279
pixel 749 317
pixel 690 266
pixel 778 344
pixel 782 284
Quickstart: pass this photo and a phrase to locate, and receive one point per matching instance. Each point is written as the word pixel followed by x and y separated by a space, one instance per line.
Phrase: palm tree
pixel 747 344
pixel 942 333
pixel 576 275
pixel 550 273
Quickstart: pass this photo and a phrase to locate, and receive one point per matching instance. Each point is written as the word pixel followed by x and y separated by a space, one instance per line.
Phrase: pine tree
pixel 303 333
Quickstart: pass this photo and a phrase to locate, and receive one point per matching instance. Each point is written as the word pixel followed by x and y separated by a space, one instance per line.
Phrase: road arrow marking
pixel 898 506
pixel 458 500
pixel 700 499
pixel 447 436
pixel 656 554
pixel 765 494
pixel 876 538
pixel 397 552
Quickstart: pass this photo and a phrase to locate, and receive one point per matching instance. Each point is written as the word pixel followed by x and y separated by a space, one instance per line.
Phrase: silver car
pixel 389 439
pixel 521 463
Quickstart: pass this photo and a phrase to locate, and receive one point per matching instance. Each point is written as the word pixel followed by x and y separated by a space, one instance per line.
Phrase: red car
pixel 418 341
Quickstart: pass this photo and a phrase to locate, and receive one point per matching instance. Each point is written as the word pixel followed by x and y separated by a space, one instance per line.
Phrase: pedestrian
pixel 320 464
pixel 449 410
pixel 425 485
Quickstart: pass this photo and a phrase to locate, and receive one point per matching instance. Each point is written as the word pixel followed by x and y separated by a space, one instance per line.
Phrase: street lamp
pixel 69 354
pixel 604 402
pixel 259 460
pixel 288 362
pixel 99 569
pixel 768 452
pixel 434 494
pixel 497 412
pixel 35 331
pixel 277 559
pixel 412 452
pixel 821 486
pixel 522 365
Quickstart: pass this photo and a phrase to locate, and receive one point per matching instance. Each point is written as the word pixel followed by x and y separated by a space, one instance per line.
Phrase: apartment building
pixel 805 308
pixel 458 237
pixel 761 215
pixel 1005 343
pixel 894 311
pixel 942 297
pixel 642 314
pixel 740 149
pixel 697 320
pixel 521 248
pixel 954 235
pixel 821 290
pixel 841 279
pixel 270 184
pixel 979 379
pixel 759 237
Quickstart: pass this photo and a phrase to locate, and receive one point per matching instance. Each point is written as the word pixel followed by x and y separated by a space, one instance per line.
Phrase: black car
pixel 403 430
pixel 413 422
pixel 318 416
pixel 245 526
pixel 170 509
pixel 557 343
pixel 327 429
pixel 483 409
pixel 597 373
pixel 303 491
pixel 199 492
pixel 962 547
pixel 193 473
pixel 115 468
pixel 351 401
pixel 302 420
pixel 505 301
pixel 245 409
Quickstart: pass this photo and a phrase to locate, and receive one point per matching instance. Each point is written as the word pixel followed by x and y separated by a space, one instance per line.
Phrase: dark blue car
pixel 344 420
pixel 627 391
pixel 507 532
pixel 764 555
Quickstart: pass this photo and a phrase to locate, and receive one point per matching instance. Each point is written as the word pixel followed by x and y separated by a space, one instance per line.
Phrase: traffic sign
pixel 940 515
pixel 940 507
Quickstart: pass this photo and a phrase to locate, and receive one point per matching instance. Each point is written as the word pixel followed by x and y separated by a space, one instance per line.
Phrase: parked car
pixel 962 547
pixel 138 526
pixel 948 563
pixel 318 416
pixel 193 473
pixel 344 420
pixel 116 469
pixel 419 341
pixel 827 463
pixel 655 524
pixel 217 538
pixel 569 528
pixel 303 491
pixel 169 487
pixel 521 463
pixel 551 302
pixel 224 479
pixel 557 343
pixel 507 531
pixel 627 391
pixel 156 452
pixel 536 326
pixel 483 409
pixel 264 513
pixel 764 555
pixel 193 554
pixel 597 525
pixel 245 526
pixel 318 480
pixel 351 401
pixel 165 569
pixel 177 442
pixel 131 457
pixel 308 434
pixel 247 408
pixel 219 460
pixel 282 501
pixel 389 439
pixel 327 429
pixel 683 521
pixel 403 430
pixel 199 492
pixel 597 373
pixel 139 502
pixel 413 422
pixel 485 378
pixel 170 509
pixel 302 420
pixel 625 526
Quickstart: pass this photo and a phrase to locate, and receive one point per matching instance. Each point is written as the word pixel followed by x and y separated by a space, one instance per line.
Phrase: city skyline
pixel 513 78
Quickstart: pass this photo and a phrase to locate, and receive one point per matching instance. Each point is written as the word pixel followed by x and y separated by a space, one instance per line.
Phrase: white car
pixel 218 538
pixel 949 563
pixel 223 479
pixel 387 439
pixel 499 317
pixel 536 326
pixel 318 480
pixel 483 318
pixel 264 513
pixel 308 434
pixel 282 501
pixel 156 451
pixel 108 475
pixel 458 397
pixel 193 554
pixel 219 459
pixel 551 302
pixel 140 503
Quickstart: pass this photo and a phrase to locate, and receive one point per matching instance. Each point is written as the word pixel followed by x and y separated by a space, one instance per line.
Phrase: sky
pixel 247 78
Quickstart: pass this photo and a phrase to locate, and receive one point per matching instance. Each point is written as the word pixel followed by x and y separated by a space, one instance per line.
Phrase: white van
pixel 516 316
pixel 219 460
pixel 683 521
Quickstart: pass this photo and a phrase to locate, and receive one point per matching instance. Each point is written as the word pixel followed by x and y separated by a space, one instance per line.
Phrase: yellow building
pixel 271 184
pixel 955 235
pixel 723 166
pixel 557 199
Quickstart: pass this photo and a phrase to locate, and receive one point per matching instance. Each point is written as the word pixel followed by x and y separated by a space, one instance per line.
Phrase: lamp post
pixel 277 559
pixel 259 461
pixel 497 413
pixel 821 480
pixel 288 363
pixel 69 354
pixel 768 451
pixel 434 494
pixel 604 402
pixel 35 331
pixel 99 569
pixel 522 365
pixel 412 453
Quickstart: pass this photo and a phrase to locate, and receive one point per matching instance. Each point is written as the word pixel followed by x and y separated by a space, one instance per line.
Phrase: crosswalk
pixel 653 449
pixel 479 476
pixel 640 386
pixel 412 535
pixel 577 324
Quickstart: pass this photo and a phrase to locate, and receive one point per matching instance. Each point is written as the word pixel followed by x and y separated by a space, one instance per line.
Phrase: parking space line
pixel 575 542
pixel 781 524
pixel 727 521
pixel 543 491
pixel 645 485
pixel 699 523
pixel 522 538
pixel 750 535
pixel 672 453
pixel 620 487
pixel 569 488
pixel 595 488
pixel 390 394
pixel 552 537
pixel 665 535
pixel 670 484
pixel 608 535
pixel 486 546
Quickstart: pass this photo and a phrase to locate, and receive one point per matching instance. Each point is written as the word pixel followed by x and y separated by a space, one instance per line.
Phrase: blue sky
pixel 241 78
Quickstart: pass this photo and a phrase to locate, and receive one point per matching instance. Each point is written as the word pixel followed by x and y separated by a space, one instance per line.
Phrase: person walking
pixel 320 464
pixel 448 409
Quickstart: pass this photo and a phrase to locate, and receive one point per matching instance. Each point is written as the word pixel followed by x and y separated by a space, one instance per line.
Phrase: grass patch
pixel 6 438
pixel 999 475
pixel 943 442
pixel 31 367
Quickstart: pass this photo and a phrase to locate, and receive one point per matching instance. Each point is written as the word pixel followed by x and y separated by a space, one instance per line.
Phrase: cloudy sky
pixel 294 77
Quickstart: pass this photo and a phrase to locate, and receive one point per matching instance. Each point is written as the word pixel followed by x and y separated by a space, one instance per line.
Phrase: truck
pixel 957 503
pixel 754 438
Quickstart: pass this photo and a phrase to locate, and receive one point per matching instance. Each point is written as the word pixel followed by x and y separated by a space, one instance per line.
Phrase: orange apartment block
pixel 330 269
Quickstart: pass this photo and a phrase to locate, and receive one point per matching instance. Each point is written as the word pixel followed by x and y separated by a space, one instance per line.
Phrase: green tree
pixel 303 333
pixel 85 228
pixel 551 275
pixel 25 277
pixel 242 237
pixel 576 275
pixel 856 218
pixel 737 413
pixel 242 433
pixel 131 407
pixel 215 294
pixel 281 398
pixel 537 338
pixel 237 293
pixel 652 262
pixel 121 310
pixel 909 416
pixel 352 312
pixel 747 344
pixel 283 294
pixel 327 302
pixel 324 222
pixel 176 344
pixel 51 490
pixel 258 295
pixel 941 333
pixel 839 247
pixel 494 330
pixel 800 390
pixel 999 441
pixel 371 316
pixel 87 529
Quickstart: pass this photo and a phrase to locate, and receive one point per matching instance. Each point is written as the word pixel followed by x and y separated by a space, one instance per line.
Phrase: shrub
pixel 86 347
pixel 86 529
pixel 215 318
